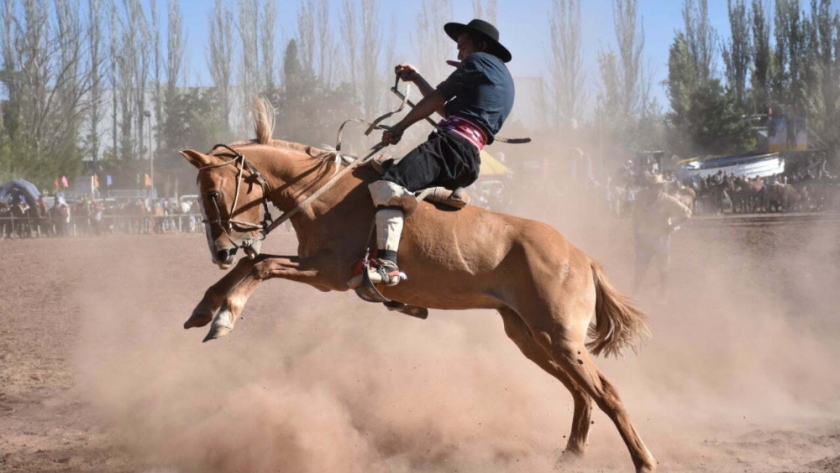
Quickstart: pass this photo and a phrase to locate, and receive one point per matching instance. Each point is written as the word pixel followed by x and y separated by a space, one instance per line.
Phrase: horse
pixel 5 220
pixel 750 193
pixel 547 291
pixel 782 197
pixel 20 223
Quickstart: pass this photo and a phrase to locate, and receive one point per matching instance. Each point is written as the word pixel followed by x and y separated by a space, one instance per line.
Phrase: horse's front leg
pixel 215 295
pixel 286 267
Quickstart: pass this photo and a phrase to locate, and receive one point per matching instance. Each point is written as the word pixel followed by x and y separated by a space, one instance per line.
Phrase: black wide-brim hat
pixel 489 31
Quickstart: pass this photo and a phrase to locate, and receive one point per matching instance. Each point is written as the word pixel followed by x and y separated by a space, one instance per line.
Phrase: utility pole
pixel 148 116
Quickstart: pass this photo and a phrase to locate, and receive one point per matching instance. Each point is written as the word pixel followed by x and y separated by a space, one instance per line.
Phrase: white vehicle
pixel 185 202
pixel 748 166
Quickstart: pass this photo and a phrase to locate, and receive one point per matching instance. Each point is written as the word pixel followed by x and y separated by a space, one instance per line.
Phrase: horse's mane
pixel 264 127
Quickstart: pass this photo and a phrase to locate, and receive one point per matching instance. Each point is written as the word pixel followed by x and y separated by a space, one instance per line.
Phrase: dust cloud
pixel 741 370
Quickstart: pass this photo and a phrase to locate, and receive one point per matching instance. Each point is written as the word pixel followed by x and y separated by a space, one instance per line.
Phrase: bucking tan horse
pixel 547 291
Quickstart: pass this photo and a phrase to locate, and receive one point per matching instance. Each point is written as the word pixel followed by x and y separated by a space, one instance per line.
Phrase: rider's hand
pixel 407 72
pixel 392 136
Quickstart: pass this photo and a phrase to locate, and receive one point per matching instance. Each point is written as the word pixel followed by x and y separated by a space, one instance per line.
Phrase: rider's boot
pixel 394 203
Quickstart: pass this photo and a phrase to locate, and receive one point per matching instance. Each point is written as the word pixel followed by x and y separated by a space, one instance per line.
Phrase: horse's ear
pixel 197 159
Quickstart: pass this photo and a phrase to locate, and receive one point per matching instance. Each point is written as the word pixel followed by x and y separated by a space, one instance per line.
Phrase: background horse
pixel 5 220
pixel 547 291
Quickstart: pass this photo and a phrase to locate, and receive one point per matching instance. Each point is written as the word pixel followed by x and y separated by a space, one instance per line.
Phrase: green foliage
pixel 682 77
pixel 194 119
pixel 710 123
pixel 309 111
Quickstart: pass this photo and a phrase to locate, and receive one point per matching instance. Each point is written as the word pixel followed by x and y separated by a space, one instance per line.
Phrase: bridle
pixel 241 163
pixel 268 223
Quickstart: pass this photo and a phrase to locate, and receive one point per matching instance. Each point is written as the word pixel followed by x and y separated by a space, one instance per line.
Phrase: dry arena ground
pixel 96 374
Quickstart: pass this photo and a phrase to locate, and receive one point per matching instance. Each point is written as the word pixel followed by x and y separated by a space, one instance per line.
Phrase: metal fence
pixel 28 227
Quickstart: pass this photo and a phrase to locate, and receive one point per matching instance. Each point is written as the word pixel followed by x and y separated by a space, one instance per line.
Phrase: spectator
pixel 656 215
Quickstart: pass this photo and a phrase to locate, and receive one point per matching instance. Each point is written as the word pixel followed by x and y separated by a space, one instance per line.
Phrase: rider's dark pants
pixel 445 159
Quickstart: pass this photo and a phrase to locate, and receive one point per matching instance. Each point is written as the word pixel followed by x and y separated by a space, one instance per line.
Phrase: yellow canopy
pixel 491 166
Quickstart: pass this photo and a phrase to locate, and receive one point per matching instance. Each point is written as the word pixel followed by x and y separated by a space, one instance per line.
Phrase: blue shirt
pixel 483 92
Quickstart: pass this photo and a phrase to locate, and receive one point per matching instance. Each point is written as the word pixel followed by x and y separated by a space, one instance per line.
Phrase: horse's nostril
pixel 222 255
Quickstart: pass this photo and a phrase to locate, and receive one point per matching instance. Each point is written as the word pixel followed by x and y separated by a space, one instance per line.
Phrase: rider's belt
pixel 466 129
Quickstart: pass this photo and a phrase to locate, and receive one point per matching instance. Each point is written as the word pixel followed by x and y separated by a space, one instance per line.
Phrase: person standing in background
pixel 656 215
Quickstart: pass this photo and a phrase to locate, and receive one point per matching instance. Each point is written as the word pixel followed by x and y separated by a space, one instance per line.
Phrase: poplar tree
pixel 736 54
pixel 565 63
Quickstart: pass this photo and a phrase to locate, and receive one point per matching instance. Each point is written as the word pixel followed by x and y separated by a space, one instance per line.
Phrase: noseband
pixel 241 163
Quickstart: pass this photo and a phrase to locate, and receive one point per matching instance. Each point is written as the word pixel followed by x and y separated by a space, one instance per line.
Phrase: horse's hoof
pixel 215 333
pixel 201 316
pixel 198 319
pixel 222 325
pixel 569 459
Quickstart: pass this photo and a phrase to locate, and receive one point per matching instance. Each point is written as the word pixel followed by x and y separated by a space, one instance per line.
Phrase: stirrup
pixel 385 272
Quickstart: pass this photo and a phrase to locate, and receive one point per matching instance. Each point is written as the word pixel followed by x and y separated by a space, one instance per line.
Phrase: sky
pixel 523 26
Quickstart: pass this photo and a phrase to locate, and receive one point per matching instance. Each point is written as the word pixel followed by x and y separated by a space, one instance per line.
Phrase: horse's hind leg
pixel 569 352
pixel 517 331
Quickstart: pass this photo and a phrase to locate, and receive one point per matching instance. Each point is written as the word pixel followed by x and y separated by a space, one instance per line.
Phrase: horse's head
pixel 232 195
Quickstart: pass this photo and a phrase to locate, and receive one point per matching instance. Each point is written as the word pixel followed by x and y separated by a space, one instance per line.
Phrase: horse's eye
pixel 214 195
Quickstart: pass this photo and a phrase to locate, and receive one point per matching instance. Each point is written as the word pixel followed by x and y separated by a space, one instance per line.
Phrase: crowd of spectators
pixel 96 217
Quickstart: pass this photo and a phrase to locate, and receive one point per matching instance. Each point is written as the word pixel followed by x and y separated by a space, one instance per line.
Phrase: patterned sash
pixel 465 128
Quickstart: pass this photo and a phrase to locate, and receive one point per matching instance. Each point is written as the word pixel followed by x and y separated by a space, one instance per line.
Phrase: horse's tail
pixel 263 119
pixel 618 324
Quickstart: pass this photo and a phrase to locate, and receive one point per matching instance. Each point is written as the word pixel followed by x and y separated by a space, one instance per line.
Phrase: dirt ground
pixel 96 374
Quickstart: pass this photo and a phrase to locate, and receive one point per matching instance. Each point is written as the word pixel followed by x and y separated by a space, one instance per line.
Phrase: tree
pixel 350 41
pixel 680 88
pixel 328 61
pixel 249 71
pixel 823 75
pixel 268 44
pixel 631 42
pixel 310 111
pixel 157 69
pixel 47 87
pixel 761 56
pixel 372 76
pixel 486 11
pixel 220 58
pixel 736 55
pixel 565 63
pixel 714 123
pixel 701 40
pixel 170 130
pixel 790 54
pixel 95 45
pixel 620 98
pixel 431 44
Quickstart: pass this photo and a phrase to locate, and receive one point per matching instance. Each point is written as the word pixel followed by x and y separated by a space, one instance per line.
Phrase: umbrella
pixel 491 166
pixel 26 188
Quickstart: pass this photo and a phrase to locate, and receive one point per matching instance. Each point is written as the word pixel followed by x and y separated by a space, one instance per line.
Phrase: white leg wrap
pixel 388 194
pixel 389 225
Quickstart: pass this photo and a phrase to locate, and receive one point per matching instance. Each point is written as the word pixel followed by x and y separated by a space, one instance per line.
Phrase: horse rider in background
pixel 474 100
pixel 656 215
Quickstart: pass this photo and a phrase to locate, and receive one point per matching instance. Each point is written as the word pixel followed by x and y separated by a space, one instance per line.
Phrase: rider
pixel 474 100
